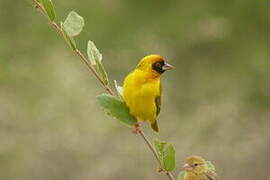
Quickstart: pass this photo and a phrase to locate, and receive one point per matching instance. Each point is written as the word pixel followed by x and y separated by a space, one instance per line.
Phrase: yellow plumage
pixel 196 169
pixel 142 89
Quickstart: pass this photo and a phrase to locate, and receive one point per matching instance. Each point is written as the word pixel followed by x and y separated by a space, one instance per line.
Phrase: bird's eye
pixel 196 164
pixel 158 64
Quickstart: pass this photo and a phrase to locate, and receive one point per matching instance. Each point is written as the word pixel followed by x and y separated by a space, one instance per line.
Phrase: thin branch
pixel 151 147
pixel 91 68
pixel 76 51
pixel 170 175
pixel 40 7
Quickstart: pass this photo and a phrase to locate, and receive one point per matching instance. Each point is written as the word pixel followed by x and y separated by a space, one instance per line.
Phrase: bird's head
pixel 196 165
pixel 154 64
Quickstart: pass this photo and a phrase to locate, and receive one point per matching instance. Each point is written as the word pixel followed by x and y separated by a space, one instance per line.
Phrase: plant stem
pixel 76 51
pixel 151 147
pixel 91 68
pixel 170 175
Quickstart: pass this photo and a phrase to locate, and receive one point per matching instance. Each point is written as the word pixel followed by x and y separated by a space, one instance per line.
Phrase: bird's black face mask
pixel 161 67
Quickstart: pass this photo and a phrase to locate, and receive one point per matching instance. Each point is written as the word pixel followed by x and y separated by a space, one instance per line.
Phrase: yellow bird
pixel 196 168
pixel 142 89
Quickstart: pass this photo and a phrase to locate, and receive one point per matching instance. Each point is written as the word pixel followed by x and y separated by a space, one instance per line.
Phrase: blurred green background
pixel 216 102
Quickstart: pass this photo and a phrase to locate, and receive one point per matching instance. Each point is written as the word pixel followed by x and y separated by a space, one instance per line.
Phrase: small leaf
pixel 49 7
pixel 210 165
pixel 181 175
pixel 103 72
pixel 70 40
pixel 93 53
pixel 166 154
pixel 119 89
pixel 73 24
pixel 116 108
pixel 95 58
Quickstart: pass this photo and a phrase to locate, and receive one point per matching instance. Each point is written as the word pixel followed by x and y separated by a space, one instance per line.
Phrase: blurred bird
pixel 196 168
pixel 142 89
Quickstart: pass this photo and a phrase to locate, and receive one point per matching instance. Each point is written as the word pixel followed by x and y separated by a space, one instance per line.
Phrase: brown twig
pixel 151 147
pixel 170 175
pixel 90 67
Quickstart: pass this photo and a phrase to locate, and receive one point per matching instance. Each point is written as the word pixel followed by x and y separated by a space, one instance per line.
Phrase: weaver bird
pixel 142 89
pixel 196 168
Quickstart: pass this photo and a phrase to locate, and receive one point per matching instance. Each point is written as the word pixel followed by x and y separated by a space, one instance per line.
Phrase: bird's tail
pixel 154 126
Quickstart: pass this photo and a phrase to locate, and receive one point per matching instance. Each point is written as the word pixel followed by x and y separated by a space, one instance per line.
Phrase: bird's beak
pixel 167 67
pixel 187 167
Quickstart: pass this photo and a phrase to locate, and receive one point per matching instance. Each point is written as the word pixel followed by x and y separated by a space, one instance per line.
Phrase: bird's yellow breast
pixel 192 176
pixel 139 93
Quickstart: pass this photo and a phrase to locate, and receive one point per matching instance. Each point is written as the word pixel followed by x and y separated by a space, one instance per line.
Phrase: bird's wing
pixel 158 101
pixel 211 175
pixel 154 124
pixel 158 104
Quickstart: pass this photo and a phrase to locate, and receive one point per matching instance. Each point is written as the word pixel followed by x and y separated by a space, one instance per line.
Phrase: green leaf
pixel 95 58
pixel 166 155
pixel 93 53
pixel 116 108
pixel 210 166
pixel 70 40
pixel 181 175
pixel 102 71
pixel 73 24
pixel 49 7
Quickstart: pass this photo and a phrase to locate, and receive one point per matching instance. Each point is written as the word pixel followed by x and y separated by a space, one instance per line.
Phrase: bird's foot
pixel 136 129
